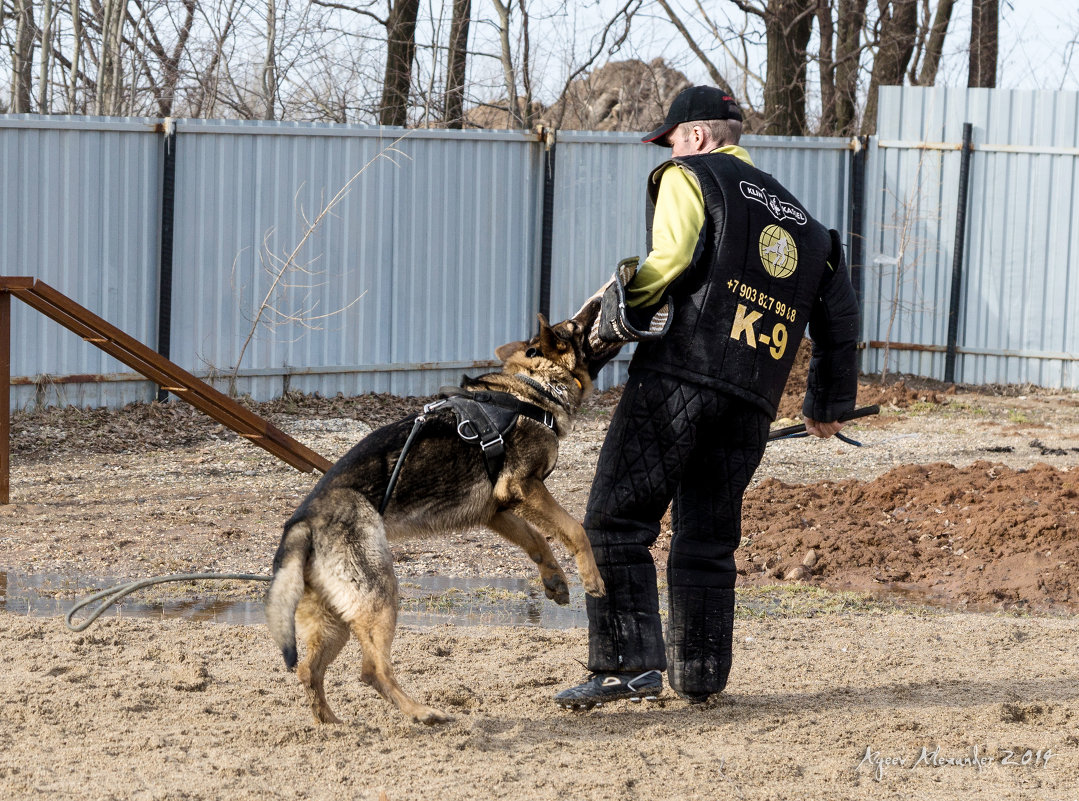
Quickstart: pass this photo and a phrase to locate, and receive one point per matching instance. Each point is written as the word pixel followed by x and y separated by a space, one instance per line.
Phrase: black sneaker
pixel 603 687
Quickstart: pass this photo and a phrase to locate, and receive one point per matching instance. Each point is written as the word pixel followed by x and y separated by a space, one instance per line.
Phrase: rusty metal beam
pixel 1061 356
pixel 149 363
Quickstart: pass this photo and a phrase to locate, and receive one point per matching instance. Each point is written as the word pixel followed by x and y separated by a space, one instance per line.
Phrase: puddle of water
pixel 426 601
pixel 48 595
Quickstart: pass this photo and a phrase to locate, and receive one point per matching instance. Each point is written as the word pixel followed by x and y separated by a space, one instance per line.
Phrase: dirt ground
pixel 960 500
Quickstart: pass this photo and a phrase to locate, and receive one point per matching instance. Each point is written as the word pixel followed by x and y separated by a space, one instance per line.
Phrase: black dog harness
pixel 484 418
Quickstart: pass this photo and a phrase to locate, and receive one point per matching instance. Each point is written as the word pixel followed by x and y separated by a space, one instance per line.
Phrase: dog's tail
pixel 286 589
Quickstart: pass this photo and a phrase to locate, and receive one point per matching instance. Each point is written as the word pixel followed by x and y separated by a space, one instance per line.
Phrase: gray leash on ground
pixel 113 594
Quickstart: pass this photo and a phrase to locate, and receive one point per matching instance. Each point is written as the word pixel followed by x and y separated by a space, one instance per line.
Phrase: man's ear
pixel 504 352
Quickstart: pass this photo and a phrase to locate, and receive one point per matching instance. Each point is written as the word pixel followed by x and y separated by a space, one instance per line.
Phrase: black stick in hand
pixel 865 411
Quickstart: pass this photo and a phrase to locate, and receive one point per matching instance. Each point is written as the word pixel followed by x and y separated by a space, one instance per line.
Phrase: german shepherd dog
pixel 333 571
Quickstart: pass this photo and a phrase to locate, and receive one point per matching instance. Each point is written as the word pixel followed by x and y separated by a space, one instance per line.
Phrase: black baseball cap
pixel 692 104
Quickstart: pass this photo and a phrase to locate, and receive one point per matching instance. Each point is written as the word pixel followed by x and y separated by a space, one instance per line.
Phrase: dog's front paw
pixel 594 586
pixel 555 588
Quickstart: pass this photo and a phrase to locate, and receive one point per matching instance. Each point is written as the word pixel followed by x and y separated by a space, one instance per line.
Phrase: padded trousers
pixel 694 448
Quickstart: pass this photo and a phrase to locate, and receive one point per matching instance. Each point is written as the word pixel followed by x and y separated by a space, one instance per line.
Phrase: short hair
pixel 725 132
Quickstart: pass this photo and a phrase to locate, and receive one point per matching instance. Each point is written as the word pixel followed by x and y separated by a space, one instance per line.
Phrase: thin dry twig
pixel 280 267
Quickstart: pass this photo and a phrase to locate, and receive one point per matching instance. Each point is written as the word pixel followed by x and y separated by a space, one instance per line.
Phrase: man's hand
pixel 597 295
pixel 823 430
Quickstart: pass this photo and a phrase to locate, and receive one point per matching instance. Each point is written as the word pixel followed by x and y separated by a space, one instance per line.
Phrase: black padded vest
pixel 742 306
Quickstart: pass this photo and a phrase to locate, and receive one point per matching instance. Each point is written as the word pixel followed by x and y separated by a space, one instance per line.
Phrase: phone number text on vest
pixel 745 321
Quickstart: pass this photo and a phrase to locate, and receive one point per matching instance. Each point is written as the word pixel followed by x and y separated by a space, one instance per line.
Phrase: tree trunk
pixel 927 75
pixel 76 54
pixel 23 57
pixel 826 67
pixel 108 62
pixel 503 11
pixel 788 24
pixel 46 57
pixel 898 32
pixel 456 64
pixel 269 65
pixel 848 51
pixel 527 115
pixel 400 51
pixel 985 19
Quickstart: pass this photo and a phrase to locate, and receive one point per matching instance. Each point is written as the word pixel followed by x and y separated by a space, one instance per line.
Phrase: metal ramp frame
pixel 139 357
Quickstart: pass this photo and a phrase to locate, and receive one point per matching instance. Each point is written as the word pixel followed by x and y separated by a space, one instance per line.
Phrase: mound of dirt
pixel 894 393
pixel 52 432
pixel 985 534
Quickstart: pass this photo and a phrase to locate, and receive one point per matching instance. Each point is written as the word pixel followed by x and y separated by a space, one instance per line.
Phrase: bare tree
pixel 269 64
pixel 713 72
pixel 47 19
pixel 826 64
pixel 788 25
pixel 110 16
pixel 897 31
pixel 850 20
pixel 509 74
pixel 933 45
pixel 163 87
pixel 400 52
pixel 984 24
pixel 456 64
pixel 23 57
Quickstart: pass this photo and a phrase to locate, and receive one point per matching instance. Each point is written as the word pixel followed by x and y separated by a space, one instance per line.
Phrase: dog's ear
pixel 553 340
pixel 504 352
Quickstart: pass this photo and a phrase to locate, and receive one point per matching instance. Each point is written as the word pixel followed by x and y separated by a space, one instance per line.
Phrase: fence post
pixel 857 215
pixel 547 229
pixel 164 288
pixel 5 396
pixel 957 256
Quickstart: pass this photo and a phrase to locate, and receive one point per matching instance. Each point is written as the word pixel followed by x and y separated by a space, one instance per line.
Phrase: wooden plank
pixel 190 388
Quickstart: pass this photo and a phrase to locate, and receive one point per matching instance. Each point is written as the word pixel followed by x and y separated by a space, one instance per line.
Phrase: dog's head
pixel 557 353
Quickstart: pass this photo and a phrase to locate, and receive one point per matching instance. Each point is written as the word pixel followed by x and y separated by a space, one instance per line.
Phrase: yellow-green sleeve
pixel 676 228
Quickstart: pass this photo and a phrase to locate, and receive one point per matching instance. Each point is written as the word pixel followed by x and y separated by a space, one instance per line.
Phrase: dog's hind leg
pixel 537 506
pixel 375 631
pixel 325 634
pixel 521 533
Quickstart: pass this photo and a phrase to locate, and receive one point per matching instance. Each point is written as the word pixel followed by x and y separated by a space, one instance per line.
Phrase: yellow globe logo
pixel 779 254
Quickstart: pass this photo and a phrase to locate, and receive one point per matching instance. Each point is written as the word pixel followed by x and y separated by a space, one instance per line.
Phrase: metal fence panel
pixel 435 254
pixel 427 260
pixel 1016 321
pixel 79 210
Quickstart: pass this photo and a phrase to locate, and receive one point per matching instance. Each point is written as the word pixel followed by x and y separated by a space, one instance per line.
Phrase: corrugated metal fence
pixel 1018 319
pixel 428 263
pixel 432 258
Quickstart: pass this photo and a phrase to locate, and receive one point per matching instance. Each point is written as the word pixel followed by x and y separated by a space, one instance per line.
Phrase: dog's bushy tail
pixel 286 589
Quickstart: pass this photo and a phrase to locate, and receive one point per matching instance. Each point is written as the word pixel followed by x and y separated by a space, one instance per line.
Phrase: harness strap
pixel 505 401
pixel 482 417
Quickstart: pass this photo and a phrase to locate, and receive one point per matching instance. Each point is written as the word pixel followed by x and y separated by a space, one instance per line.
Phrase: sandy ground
pixel 862 706
pixel 964 498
